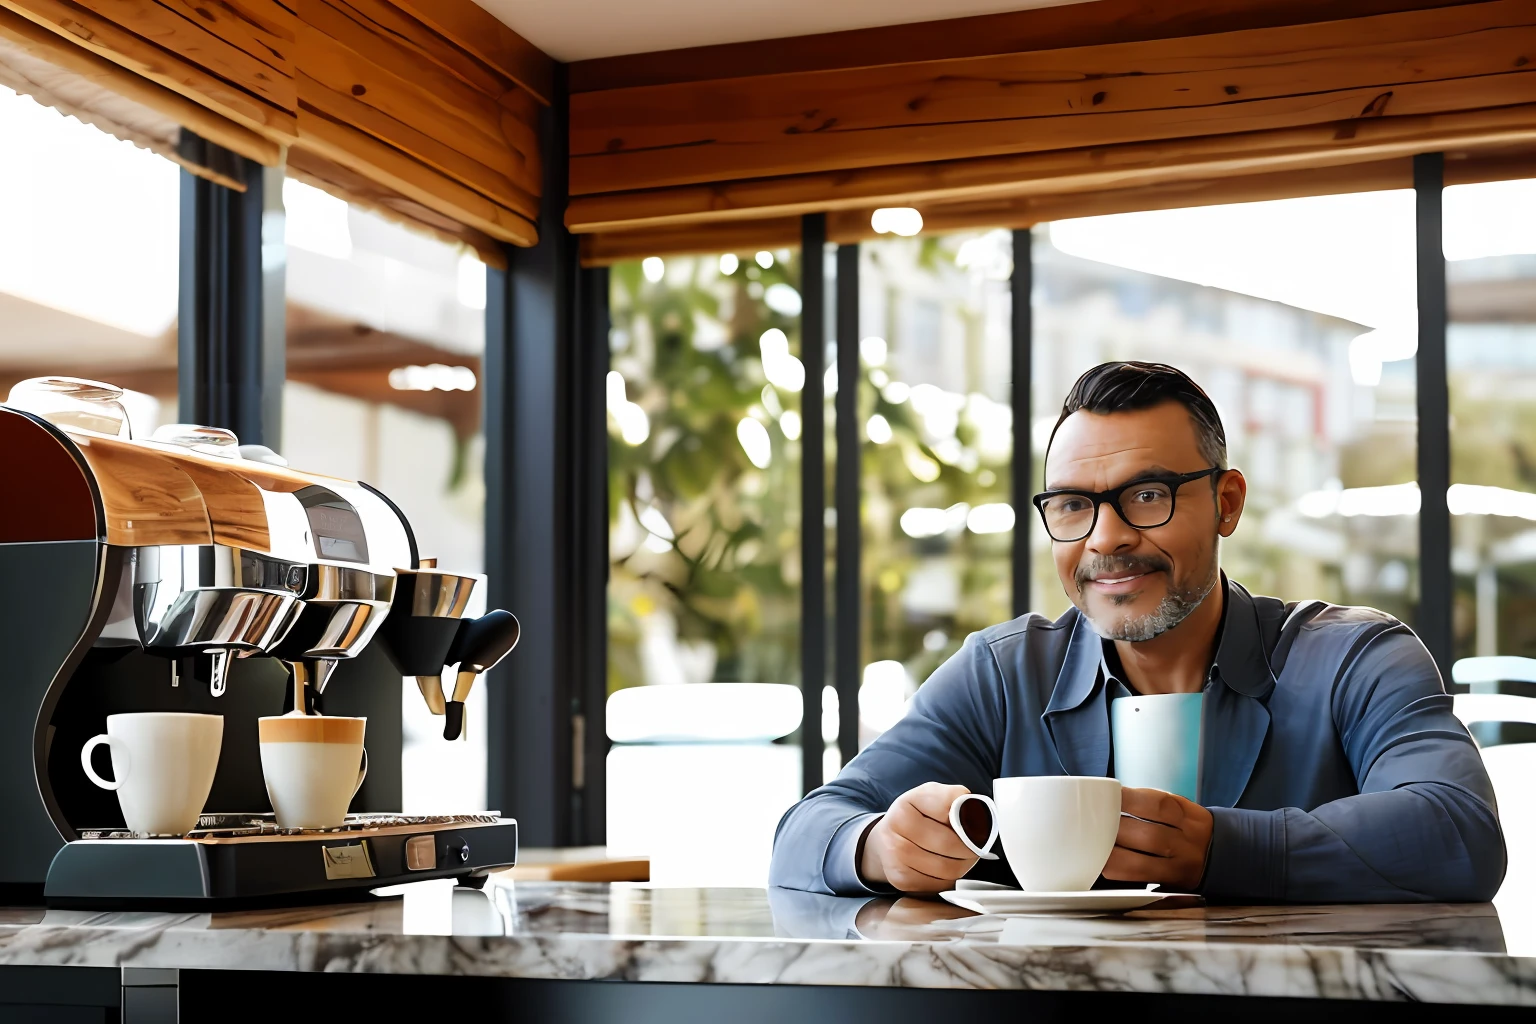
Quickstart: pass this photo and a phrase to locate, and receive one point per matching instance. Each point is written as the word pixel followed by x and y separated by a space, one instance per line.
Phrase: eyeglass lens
pixel 1069 517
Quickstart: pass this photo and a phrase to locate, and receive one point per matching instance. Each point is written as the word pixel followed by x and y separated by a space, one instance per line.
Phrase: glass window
pixel 704 488
pixel 937 426
pixel 386 327
pixel 1299 318
pixel 1490 246
pixel 89 236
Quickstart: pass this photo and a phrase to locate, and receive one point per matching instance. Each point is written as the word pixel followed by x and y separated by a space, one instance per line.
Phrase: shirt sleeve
pixel 952 733
pixel 1423 827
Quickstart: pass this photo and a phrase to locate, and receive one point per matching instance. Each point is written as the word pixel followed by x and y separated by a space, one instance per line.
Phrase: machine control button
pixel 456 851
pixel 420 853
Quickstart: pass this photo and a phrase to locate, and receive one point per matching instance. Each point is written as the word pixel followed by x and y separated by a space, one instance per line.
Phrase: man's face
pixel 1137 584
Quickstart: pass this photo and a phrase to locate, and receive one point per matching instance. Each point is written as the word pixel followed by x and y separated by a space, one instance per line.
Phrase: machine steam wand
pixel 478 647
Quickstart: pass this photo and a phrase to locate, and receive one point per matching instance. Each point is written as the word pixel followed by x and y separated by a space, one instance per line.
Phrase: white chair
pixel 1510 766
pixel 695 780
pixel 1494 670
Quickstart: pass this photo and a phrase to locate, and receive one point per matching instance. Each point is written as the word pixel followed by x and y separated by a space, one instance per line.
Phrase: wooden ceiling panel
pixel 1057 173
pixel 161 45
pixel 476 31
pixel 346 182
pixel 1399 64
pixel 435 105
pixel 77 83
pixel 1462 167
pixel 1051 28
pixel 455 131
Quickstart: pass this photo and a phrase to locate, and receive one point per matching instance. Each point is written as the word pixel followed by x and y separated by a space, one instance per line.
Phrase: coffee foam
pixel 311 729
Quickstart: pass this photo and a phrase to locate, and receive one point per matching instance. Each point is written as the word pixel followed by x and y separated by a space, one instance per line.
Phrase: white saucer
pixel 1016 901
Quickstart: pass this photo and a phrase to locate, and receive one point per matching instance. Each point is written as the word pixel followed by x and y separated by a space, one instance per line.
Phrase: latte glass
pixel 313 766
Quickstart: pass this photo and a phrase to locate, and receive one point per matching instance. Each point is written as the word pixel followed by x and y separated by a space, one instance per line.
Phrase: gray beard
pixel 1172 610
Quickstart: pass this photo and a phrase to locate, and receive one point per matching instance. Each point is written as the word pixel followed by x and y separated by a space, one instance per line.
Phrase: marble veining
pixel 1431 953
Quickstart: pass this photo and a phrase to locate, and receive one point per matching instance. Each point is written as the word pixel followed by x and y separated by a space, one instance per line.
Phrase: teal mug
pixel 1156 740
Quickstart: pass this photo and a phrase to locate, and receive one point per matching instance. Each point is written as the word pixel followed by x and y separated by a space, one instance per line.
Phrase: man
pixel 1332 766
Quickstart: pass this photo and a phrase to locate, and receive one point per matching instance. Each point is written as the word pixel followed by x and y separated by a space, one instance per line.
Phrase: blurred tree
pixel 705 537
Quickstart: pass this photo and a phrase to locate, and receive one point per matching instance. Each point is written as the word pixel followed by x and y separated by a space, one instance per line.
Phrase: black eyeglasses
pixel 1071 515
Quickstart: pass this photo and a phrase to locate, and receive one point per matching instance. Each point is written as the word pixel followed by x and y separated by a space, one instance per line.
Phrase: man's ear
pixel 1231 495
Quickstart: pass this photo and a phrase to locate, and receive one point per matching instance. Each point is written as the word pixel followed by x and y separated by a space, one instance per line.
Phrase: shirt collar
pixel 1241 662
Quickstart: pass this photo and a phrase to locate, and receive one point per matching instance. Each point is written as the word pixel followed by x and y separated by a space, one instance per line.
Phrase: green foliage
pixel 688 349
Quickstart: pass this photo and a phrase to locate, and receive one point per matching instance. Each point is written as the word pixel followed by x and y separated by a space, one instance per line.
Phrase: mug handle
pixel 85 760
pixel 984 852
pixel 362 773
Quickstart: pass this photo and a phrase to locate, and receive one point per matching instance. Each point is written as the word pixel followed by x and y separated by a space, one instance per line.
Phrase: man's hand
pixel 1168 847
pixel 912 847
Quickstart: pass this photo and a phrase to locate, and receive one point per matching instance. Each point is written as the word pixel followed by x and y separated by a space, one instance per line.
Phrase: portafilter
pixel 424 618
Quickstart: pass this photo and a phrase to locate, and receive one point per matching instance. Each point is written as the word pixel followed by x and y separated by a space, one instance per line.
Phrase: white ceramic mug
pixel 1156 740
pixel 1058 830
pixel 313 766
pixel 163 763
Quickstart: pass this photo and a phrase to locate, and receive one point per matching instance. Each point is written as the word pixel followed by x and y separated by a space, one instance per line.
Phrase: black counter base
pixel 82 993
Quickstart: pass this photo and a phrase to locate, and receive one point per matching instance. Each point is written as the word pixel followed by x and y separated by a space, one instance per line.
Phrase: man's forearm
pixel 1421 842
pixel 817 844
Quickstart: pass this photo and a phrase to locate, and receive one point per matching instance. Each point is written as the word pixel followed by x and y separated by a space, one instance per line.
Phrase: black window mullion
pixel 813 495
pixel 1434 432
pixel 848 655
pixel 230 327
pixel 1022 325
pixel 539 386
pixel 591 562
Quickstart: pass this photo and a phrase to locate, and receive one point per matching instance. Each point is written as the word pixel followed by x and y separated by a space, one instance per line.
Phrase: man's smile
pixel 1123 583
pixel 1119 577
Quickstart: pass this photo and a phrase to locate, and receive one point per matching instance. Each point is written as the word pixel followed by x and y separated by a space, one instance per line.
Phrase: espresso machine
pixel 186 572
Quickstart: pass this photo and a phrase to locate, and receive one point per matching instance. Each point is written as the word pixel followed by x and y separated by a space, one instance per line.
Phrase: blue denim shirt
pixel 1331 761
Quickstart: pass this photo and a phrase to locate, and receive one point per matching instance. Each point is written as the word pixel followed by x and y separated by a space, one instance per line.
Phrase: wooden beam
pixel 404 85
pixel 105 38
pixel 396 118
pixel 215 40
pixel 47 46
pixel 347 183
pixel 610 247
pixel 386 25
pixel 1462 167
pixel 1471 167
pixel 479 33
pixel 1397 64
pixel 263 29
pixel 1050 28
pixel 847 226
pixel 438 123
pixel 1077 170
pixel 387 166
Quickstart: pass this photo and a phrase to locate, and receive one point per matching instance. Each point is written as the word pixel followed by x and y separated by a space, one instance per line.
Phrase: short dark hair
pixel 1129 385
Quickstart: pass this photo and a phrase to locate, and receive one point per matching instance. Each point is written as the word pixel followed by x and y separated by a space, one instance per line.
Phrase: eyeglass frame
pixel 1111 497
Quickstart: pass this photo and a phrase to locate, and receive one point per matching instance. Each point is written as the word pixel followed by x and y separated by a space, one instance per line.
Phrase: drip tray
pixel 233 826
pixel 246 860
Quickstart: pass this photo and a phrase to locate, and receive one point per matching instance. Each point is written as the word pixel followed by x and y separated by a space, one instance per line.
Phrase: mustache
pixel 1121 565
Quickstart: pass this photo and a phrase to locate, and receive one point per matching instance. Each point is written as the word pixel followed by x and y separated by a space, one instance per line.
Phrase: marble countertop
pixel 634 932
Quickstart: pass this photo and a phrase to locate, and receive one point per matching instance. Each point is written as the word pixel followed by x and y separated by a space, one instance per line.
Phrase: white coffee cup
pixel 313 766
pixel 1058 830
pixel 163 763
